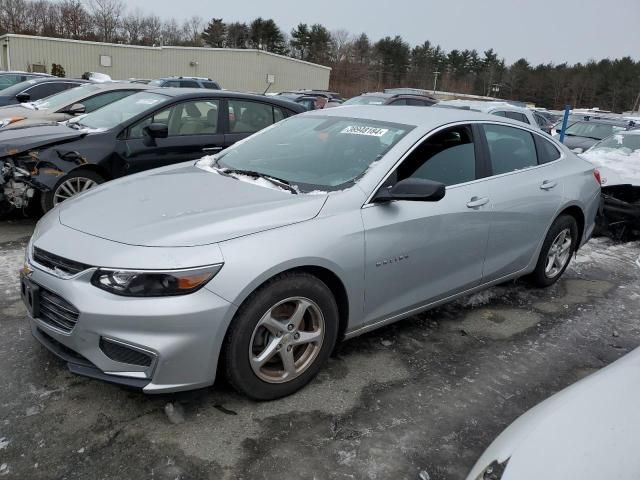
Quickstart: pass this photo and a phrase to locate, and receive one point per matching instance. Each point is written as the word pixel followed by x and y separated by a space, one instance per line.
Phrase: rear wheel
pixel 558 247
pixel 69 186
pixel 281 337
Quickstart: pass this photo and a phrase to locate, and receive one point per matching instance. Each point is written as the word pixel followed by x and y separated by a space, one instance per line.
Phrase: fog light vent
pixel 123 354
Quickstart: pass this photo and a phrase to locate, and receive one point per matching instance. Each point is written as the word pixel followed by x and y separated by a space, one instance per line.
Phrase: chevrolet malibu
pixel 256 261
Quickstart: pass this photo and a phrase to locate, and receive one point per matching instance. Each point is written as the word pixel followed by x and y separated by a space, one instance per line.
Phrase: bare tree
pixel 171 33
pixel 341 46
pixel 13 15
pixel 74 20
pixel 151 30
pixel 107 18
pixel 132 27
pixel 192 29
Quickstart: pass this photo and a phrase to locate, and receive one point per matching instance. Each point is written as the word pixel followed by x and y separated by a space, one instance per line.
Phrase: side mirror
pixel 76 109
pixel 153 131
pixel 23 97
pixel 578 150
pixel 412 189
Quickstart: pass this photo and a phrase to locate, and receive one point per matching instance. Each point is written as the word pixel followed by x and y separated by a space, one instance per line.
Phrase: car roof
pixel 204 79
pixel 424 118
pixel 18 87
pixel 484 106
pixel 175 92
pixel 19 72
pixel 605 121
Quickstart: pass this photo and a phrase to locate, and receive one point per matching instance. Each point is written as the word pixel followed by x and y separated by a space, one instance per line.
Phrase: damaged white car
pixel 588 431
pixel 618 160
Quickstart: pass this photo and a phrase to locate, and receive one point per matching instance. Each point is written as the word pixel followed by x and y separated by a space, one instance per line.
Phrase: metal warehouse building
pixel 235 69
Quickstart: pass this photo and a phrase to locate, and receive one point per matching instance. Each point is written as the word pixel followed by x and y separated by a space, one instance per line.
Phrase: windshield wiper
pixel 275 180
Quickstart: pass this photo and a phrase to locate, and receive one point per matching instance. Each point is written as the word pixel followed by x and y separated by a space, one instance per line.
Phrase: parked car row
pixel 148 128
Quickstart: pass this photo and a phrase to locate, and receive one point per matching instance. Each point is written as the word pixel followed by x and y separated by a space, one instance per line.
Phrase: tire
pixel 543 276
pixel 48 199
pixel 248 338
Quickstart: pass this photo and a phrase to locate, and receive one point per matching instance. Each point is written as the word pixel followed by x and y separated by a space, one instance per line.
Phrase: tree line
pixel 358 62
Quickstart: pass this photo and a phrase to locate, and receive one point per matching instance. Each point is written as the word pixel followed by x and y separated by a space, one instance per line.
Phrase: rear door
pixel 419 252
pixel 194 131
pixel 526 192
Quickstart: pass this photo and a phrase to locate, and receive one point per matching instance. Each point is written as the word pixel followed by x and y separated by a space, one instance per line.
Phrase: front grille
pixel 55 262
pixel 56 311
pixel 121 353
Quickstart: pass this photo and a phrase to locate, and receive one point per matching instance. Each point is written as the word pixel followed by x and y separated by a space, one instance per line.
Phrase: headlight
pixel 495 471
pixel 153 283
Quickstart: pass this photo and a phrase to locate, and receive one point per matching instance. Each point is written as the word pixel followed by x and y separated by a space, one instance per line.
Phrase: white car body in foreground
pixel 588 431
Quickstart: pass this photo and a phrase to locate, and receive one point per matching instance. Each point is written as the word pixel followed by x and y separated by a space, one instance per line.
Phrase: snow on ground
pixel 622 161
pixel 10 263
pixel 605 253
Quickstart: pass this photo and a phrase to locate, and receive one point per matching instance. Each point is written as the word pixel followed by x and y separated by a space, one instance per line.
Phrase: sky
pixel 541 31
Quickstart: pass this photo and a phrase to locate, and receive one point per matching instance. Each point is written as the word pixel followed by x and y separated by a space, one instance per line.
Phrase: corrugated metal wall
pixel 245 70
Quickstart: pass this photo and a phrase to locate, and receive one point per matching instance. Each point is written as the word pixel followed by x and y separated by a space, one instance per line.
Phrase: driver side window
pixel 447 157
pixel 160 117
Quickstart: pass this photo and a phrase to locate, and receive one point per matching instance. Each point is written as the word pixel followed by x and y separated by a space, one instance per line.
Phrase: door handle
pixel 476 202
pixel 212 149
pixel 548 185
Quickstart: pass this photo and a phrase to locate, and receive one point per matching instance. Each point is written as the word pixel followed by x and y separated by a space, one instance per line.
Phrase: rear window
pixel 547 152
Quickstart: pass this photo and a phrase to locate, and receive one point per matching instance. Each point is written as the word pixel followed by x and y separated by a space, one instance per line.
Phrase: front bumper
pixel 180 336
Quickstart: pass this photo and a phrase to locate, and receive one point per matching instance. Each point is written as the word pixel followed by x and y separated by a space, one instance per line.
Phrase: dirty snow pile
pixel 622 161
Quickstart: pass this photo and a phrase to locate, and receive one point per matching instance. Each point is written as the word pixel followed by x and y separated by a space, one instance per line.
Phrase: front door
pixel 193 132
pixel 419 252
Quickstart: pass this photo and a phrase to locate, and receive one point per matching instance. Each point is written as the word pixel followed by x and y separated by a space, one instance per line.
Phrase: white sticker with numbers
pixel 369 131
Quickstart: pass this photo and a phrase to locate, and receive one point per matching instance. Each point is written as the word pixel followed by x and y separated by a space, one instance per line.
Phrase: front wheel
pixel 70 186
pixel 558 247
pixel 281 336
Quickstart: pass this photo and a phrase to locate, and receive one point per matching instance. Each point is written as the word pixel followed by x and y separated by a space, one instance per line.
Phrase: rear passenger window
pixel 415 103
pixel 211 85
pixel 402 101
pixel 447 157
pixel 547 152
pixel 248 116
pixel 500 114
pixel 521 117
pixel 189 84
pixel 510 148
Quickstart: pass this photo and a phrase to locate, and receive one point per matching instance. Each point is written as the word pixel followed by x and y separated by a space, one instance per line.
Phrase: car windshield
pixel 63 99
pixel 156 83
pixel 120 111
pixel 315 153
pixel 597 131
pixel 366 100
pixel 626 143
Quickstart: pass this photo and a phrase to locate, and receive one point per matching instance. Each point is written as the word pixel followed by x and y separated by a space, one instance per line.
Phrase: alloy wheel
pixel 287 340
pixel 559 254
pixel 71 187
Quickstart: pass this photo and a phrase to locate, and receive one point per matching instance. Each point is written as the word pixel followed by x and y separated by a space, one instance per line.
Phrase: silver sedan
pixel 256 261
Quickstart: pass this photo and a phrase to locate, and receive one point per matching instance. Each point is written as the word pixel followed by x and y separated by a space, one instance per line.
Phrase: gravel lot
pixel 419 399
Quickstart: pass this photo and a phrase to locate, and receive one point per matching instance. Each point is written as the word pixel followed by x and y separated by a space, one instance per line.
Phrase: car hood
pixel 21 139
pixel 579 142
pixel 587 431
pixel 182 206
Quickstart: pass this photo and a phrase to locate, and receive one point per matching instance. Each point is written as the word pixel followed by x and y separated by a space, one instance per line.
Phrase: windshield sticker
pixel 147 101
pixel 369 131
